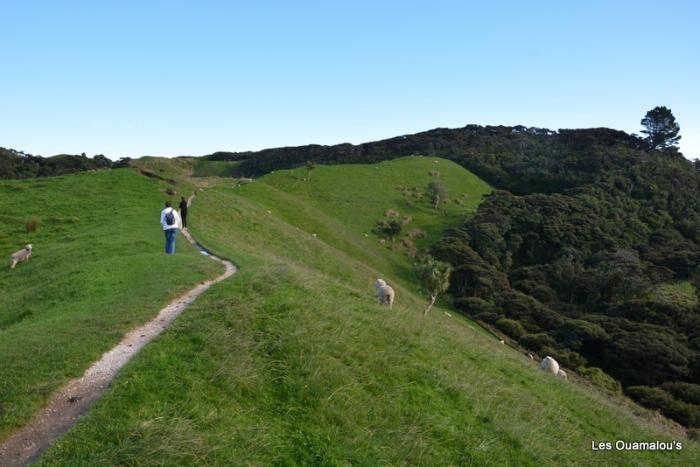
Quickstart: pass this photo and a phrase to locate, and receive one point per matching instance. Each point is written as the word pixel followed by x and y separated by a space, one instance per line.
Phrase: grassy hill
pixel 97 271
pixel 292 362
pixel 206 168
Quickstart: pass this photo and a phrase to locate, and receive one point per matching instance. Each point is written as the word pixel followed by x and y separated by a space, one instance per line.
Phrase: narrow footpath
pixel 74 399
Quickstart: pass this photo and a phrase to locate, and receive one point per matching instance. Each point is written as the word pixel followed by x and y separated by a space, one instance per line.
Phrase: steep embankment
pixel 293 362
pixel 97 271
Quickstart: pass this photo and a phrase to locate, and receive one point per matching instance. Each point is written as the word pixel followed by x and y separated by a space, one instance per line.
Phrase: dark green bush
pixel 599 378
pixel 16 164
pixel 656 398
pixel 577 333
pixel 474 305
pixel 536 341
pixel 510 327
pixel 688 392
pixel 566 358
pixel 388 228
pixel 488 317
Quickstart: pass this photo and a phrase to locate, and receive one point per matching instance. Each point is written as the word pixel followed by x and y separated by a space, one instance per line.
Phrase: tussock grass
pixel 31 224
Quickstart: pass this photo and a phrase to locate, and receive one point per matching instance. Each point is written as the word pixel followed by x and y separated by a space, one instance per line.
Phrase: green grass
pixel 273 369
pixel 97 270
pixel 207 168
pixel 678 294
pixel 342 205
pixel 291 362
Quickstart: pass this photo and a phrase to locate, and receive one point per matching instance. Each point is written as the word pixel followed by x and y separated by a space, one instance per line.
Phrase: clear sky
pixel 168 78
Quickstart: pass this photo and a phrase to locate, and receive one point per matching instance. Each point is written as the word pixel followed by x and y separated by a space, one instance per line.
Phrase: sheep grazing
pixel 562 374
pixel 21 255
pixel 385 293
pixel 549 365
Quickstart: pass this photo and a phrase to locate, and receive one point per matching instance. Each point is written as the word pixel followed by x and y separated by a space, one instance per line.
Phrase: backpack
pixel 170 217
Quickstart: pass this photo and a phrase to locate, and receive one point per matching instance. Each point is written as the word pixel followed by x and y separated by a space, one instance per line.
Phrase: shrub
pixel 600 378
pixel 437 193
pixel 665 357
pixel 388 228
pixel 32 224
pixel 565 357
pixel 536 341
pixel 417 233
pixel 694 434
pixel 510 327
pixel 576 333
pixel 488 317
pixel 475 306
pixel 434 277
pixel 656 398
pixel 688 392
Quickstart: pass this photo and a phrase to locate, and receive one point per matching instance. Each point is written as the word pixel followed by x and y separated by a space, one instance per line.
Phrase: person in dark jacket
pixel 183 211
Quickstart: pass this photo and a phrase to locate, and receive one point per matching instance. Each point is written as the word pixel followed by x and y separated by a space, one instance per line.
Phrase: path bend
pixel 75 398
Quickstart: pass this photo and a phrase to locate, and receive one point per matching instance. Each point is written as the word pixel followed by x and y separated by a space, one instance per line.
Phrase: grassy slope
pixel 291 361
pixel 342 205
pixel 205 168
pixel 97 270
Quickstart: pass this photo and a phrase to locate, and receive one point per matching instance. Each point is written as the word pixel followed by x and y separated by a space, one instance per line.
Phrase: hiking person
pixel 183 211
pixel 170 220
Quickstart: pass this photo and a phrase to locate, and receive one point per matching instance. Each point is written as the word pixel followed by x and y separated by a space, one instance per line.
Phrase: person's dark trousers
pixel 183 216
pixel 170 235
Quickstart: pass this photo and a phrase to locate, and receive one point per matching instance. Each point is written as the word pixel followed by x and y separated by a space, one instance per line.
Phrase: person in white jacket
pixel 171 222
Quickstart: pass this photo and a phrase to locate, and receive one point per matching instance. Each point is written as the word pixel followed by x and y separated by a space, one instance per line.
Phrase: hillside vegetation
pixel 15 164
pixel 97 271
pixel 568 254
pixel 291 361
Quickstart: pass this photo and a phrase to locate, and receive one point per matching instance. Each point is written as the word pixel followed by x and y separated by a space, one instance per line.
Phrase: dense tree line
pixel 601 221
pixel 566 255
pixel 15 164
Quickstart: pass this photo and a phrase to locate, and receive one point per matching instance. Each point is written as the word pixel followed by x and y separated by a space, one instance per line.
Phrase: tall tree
pixel 434 276
pixel 661 128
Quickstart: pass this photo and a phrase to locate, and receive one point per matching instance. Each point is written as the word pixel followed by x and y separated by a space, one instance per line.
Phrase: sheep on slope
pixel 550 365
pixel 21 255
pixel 385 293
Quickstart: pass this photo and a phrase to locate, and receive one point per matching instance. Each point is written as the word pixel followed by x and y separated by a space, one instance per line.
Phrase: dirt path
pixel 74 399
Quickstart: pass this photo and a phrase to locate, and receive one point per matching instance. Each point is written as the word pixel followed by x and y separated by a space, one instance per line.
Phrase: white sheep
pixel 385 293
pixel 21 255
pixel 562 374
pixel 549 365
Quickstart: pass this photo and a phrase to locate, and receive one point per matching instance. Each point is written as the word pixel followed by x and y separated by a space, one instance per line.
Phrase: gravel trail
pixel 75 398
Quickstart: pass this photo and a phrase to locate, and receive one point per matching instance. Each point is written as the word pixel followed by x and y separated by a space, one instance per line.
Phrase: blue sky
pixel 169 78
